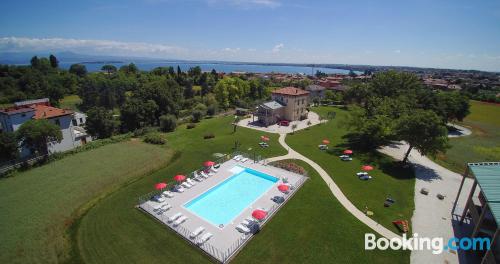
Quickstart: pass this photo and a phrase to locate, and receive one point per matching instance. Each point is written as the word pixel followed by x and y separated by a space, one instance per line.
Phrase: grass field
pixel 70 102
pixel 482 145
pixel 389 179
pixel 37 206
pixel 313 227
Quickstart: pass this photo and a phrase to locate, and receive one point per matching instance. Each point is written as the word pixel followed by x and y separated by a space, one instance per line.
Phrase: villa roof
pixel 291 91
pixel 272 105
pixel 43 111
pixel 487 175
pixel 16 110
pixel 315 87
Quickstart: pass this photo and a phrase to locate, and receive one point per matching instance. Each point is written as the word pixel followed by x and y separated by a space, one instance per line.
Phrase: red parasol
pixel 283 187
pixel 208 163
pixel 367 168
pixel 259 214
pixel 160 186
pixel 179 178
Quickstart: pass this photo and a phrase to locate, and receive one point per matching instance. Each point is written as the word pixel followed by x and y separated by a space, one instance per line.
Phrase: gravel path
pixel 432 217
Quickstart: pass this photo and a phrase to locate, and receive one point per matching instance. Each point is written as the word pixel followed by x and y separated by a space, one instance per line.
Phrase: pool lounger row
pixel 240 158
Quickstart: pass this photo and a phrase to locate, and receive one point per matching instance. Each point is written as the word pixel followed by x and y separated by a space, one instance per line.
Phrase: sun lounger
pixel 242 229
pixel 244 160
pixel 365 177
pixel 158 199
pixel 174 217
pixel 167 194
pixel 359 174
pixel 179 189
pixel 187 185
pixel 210 173
pixel 343 156
pixel 190 181
pixel 247 222
pixel 165 207
pixel 217 166
pixel 204 238
pixel 237 157
pixel 346 159
pixel 213 169
pixel 180 220
pixel 197 232
pixel 204 175
pixel 156 206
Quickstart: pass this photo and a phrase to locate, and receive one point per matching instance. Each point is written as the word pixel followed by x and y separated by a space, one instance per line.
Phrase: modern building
pixel 289 103
pixel 71 123
pixel 482 208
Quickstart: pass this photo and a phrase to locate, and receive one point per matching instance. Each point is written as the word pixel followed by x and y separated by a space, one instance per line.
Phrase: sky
pixel 439 33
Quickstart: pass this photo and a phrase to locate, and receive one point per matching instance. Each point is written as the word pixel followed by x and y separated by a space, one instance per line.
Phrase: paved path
pixel 432 217
pixel 312 117
pixel 292 154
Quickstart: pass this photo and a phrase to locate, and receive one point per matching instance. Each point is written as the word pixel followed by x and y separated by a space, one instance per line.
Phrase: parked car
pixel 284 123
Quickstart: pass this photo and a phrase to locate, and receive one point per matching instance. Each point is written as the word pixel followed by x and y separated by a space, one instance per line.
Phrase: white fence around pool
pixel 223 255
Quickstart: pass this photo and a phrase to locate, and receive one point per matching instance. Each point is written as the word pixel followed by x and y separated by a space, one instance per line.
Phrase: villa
pixel 289 103
pixel 70 122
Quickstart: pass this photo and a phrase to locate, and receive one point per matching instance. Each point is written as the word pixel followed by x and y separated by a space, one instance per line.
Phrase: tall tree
pixel 35 62
pixel 36 134
pixel 424 131
pixel 78 69
pixel 100 122
pixel 8 146
pixel 54 63
pixel 109 68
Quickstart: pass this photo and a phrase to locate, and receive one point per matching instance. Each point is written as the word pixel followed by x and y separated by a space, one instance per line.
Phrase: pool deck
pixel 227 240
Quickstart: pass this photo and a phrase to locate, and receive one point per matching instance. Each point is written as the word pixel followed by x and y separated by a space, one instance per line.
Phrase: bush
pixel 211 110
pixel 197 116
pixel 208 136
pixel 190 126
pixel 154 138
pixel 168 123
pixel 143 131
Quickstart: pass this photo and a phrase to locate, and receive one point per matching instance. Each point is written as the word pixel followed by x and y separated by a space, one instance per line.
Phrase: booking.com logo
pixel 435 244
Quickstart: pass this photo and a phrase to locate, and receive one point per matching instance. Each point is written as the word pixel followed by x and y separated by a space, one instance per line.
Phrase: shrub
pixel 190 126
pixel 208 135
pixel 143 131
pixel 211 110
pixel 197 116
pixel 154 138
pixel 168 123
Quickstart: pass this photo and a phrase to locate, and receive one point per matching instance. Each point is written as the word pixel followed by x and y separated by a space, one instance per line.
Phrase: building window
pixel 81 120
pixel 74 122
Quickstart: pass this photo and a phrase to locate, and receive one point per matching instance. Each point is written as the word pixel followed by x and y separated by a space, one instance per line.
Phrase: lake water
pixel 219 67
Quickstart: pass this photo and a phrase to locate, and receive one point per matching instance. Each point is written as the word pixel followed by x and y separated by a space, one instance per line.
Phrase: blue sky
pixel 439 33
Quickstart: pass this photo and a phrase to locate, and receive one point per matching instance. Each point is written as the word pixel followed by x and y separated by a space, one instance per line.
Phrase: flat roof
pixel 273 105
pixel 487 175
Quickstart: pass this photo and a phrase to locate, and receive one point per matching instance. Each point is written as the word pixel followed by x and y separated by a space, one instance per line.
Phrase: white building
pixel 71 123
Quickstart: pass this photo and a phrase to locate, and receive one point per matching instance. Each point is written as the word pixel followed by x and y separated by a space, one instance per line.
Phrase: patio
pixel 226 241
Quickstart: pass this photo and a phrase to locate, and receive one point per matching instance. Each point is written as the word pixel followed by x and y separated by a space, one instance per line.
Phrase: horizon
pixel 445 35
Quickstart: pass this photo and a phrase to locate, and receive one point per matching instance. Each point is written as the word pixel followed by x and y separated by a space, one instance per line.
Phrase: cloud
pixel 397 51
pixel 108 47
pixel 277 48
pixel 232 50
pixel 247 3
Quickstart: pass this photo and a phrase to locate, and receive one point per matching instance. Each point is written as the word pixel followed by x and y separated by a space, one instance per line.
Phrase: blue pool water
pixel 224 202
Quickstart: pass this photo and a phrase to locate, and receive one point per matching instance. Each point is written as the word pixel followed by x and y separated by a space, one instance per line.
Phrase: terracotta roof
pixel 16 110
pixel 290 91
pixel 43 111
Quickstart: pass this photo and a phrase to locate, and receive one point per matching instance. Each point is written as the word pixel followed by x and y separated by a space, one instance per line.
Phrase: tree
pixel 108 68
pixel 352 73
pixel 197 115
pixel 78 69
pixel 136 113
pixel 424 131
pixel 320 74
pixel 37 133
pixel 8 146
pixel 452 106
pixel 54 63
pixel 168 123
pixel 100 122
pixel 35 62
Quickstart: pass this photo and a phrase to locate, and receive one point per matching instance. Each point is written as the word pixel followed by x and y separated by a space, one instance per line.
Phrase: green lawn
pixel 389 179
pixel 482 145
pixel 70 102
pixel 38 205
pixel 312 228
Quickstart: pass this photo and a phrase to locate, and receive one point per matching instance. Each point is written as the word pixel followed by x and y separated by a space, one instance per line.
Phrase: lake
pixel 219 67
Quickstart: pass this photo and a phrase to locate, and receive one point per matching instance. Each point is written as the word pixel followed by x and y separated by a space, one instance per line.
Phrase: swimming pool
pixel 222 203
